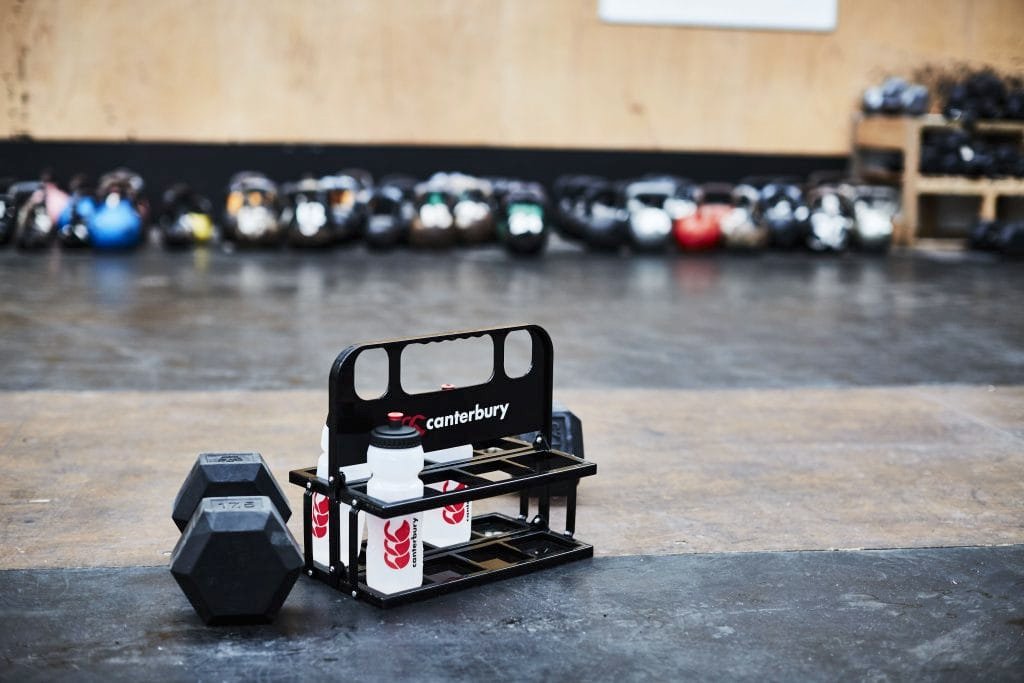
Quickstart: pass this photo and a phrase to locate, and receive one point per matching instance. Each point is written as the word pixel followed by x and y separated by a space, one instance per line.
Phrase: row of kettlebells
pixel 647 213
pixel 111 215
pixel 652 212
pixel 444 210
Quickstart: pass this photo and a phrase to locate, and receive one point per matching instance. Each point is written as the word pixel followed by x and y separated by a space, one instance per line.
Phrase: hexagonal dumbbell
pixel 236 561
pixel 227 474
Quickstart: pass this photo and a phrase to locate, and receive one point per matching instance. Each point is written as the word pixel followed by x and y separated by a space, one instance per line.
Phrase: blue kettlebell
pixel 116 223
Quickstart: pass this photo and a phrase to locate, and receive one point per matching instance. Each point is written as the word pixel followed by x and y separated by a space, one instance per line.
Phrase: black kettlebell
pixel 346 197
pixel 387 224
pixel 306 215
pixel 34 229
pixel 605 219
pixel 8 212
pixel 185 218
pixel 522 225
pixel 570 211
pixel 782 211
pixel 251 211
pixel 831 218
pixel 433 225
pixel 474 208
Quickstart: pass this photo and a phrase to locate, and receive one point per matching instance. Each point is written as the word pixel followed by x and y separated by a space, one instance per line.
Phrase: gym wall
pixel 504 73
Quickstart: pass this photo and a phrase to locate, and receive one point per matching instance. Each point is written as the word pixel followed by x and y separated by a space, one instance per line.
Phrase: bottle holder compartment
pixel 500 546
pixel 519 549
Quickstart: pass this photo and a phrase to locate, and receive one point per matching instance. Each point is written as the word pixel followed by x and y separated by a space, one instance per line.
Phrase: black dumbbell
pixel 236 561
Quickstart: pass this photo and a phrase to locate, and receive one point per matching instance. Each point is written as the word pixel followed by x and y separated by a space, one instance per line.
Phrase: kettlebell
pixel 570 210
pixel 186 218
pixel 831 219
pixel 874 209
pixel 740 229
pixel 346 196
pixel 117 222
pixel 648 201
pixel 521 226
pixel 251 211
pixel 433 225
pixel 473 211
pixel 782 211
pixel 8 213
pixel 605 219
pixel 307 214
pixel 702 230
pixel 386 223
pixel 34 229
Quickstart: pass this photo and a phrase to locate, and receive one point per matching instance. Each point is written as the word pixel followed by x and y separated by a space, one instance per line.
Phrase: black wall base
pixel 207 167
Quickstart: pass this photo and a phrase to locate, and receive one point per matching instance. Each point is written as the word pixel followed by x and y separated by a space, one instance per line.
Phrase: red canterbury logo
pixel 414 422
pixel 453 514
pixel 321 510
pixel 397 545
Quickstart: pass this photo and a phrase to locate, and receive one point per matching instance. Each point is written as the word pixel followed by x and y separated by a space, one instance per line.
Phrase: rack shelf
pixel 903 134
pixel 500 546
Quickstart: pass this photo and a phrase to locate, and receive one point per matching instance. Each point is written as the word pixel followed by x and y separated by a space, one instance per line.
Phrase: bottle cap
pixel 395 434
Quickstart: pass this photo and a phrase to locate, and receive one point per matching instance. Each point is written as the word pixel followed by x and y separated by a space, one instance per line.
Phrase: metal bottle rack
pixel 500 546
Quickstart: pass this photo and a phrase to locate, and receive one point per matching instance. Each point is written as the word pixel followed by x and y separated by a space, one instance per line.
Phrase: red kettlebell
pixel 702 229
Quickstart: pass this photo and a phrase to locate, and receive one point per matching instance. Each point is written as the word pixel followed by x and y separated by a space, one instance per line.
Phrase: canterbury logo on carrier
pixel 475 414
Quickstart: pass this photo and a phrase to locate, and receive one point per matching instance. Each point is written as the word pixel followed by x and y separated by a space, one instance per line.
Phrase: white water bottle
pixel 394 546
pixel 321 509
pixel 450 524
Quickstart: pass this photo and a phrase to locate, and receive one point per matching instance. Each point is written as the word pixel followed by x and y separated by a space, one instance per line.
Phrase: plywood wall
pixel 540 73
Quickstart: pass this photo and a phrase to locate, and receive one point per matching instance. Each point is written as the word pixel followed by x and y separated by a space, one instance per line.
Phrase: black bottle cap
pixel 395 434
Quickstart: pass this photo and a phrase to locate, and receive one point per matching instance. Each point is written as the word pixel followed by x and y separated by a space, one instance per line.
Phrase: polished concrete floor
pixel 746 414
pixel 209 320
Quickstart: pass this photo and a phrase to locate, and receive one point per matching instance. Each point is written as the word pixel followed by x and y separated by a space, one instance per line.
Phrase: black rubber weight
pixel 236 561
pixel 227 474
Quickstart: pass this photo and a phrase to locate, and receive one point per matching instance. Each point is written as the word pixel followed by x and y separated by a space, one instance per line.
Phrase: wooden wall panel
pixel 541 73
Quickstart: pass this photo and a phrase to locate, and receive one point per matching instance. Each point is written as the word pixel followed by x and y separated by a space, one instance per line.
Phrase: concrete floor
pixel 208 320
pixel 804 404
pixel 738 470
pixel 938 614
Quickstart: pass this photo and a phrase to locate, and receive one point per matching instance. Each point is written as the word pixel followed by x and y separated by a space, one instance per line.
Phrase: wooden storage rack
pixel 903 134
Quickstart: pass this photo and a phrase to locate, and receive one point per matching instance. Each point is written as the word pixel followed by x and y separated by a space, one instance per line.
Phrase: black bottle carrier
pixel 500 546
